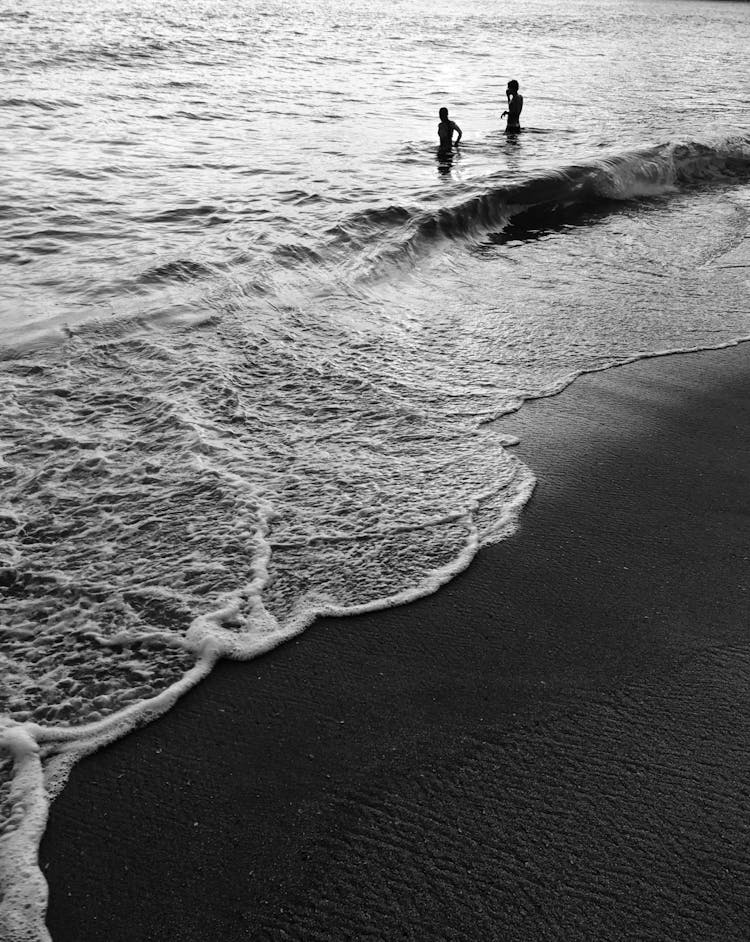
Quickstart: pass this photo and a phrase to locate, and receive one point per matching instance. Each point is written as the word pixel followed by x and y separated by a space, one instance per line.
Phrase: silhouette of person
pixel 446 129
pixel 515 104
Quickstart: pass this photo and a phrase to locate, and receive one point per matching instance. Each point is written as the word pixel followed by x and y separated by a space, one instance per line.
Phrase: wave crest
pixel 398 234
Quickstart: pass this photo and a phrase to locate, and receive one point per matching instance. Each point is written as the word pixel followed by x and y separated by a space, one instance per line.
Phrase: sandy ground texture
pixel 554 746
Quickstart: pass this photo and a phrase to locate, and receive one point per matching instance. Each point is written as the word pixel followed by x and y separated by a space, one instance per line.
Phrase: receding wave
pixel 173 493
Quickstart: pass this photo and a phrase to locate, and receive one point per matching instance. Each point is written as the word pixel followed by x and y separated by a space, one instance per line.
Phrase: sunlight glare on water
pixel 149 148
pixel 257 336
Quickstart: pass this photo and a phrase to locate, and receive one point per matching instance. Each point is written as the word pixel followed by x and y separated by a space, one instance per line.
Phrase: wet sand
pixel 554 746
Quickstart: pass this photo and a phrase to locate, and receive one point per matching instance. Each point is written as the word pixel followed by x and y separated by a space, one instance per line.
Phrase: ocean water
pixel 257 336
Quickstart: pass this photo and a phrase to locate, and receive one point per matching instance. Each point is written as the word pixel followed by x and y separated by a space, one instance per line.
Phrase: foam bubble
pixel 24 816
pixel 173 495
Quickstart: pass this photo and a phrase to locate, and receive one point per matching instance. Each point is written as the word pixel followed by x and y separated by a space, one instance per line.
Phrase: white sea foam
pixel 177 495
pixel 252 370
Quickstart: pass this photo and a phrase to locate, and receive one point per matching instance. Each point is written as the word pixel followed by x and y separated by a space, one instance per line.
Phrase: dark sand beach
pixel 554 746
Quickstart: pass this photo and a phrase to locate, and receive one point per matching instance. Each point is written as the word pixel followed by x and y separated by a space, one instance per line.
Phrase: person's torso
pixel 445 132
pixel 514 108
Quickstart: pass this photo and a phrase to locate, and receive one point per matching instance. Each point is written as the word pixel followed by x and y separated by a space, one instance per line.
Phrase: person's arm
pixel 507 95
pixel 460 135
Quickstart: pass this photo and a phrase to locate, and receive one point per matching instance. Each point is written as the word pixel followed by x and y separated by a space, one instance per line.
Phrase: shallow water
pixel 257 336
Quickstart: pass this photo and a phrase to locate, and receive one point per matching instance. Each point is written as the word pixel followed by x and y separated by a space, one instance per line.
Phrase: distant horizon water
pixel 257 336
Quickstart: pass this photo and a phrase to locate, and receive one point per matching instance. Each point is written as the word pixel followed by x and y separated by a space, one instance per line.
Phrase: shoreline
pixel 552 745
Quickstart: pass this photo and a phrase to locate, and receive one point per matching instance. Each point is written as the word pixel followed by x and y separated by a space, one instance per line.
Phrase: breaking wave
pixel 397 233
pixel 174 493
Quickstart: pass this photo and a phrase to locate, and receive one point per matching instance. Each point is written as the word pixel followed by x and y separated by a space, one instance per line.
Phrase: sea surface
pixel 257 336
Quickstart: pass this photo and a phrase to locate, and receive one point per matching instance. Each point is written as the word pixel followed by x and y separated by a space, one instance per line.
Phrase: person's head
pixel 443 114
pixel 512 87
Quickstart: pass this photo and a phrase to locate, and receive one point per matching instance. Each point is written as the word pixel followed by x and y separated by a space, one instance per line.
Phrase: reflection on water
pixel 182 164
pixel 311 428
pixel 445 157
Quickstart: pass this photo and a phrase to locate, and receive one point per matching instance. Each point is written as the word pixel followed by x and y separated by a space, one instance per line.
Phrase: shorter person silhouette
pixel 515 104
pixel 446 129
